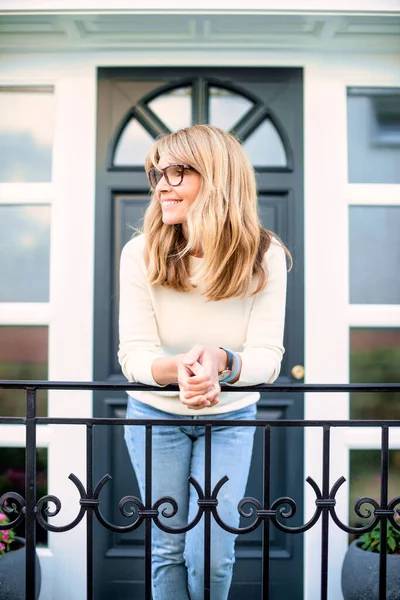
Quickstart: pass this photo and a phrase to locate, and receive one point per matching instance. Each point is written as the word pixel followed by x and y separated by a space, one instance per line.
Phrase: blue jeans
pixel 178 452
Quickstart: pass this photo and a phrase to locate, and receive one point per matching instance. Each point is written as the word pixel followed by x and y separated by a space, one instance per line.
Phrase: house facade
pixel 313 90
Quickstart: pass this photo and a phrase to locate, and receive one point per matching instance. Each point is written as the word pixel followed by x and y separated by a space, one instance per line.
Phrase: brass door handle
pixel 298 372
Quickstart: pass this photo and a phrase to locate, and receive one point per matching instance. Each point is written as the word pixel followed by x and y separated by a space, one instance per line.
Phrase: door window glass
pixel 133 145
pixel 373 132
pixel 264 146
pixel 26 135
pixel 226 107
pixel 375 358
pixel 24 356
pixel 25 253
pixel 374 254
pixel 174 108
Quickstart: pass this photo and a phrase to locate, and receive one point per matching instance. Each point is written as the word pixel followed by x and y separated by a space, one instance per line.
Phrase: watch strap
pixel 231 358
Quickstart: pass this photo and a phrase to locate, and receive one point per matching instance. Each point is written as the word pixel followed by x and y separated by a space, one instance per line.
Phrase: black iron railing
pixel 262 511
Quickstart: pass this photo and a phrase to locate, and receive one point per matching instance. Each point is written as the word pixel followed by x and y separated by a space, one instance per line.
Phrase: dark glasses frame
pixel 155 175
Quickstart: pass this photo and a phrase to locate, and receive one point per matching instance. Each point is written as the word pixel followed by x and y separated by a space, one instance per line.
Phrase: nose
pixel 162 185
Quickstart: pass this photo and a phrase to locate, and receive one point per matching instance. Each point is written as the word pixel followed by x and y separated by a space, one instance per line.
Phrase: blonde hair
pixel 223 221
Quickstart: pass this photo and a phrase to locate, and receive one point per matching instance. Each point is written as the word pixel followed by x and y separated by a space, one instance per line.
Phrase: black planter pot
pixel 360 575
pixel 12 573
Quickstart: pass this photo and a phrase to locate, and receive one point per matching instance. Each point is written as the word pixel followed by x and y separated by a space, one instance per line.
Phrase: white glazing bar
pixel 14 436
pixel 24 313
pixel 373 315
pixel 369 438
pixel 373 193
pixel 26 193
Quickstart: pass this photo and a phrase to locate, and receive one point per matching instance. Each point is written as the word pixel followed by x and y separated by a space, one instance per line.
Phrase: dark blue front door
pixel 264 108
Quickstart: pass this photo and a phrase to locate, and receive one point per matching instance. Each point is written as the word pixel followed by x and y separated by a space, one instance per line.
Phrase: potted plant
pixel 360 571
pixel 12 565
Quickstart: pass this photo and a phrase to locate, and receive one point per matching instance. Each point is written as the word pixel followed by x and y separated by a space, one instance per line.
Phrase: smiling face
pixel 176 200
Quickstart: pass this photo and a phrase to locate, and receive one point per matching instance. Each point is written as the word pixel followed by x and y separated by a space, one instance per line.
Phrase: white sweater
pixel 155 321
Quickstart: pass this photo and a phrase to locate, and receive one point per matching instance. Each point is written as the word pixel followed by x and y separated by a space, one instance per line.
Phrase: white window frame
pixel 25 313
pixel 372 315
pixel 68 315
pixel 28 313
pixel 328 196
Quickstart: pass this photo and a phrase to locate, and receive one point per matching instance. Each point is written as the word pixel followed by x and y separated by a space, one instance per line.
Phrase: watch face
pixel 224 374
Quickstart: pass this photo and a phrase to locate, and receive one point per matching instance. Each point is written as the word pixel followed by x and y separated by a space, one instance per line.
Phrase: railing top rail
pixel 125 385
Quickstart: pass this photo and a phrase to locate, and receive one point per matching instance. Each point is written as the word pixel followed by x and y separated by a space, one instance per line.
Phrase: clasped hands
pixel 198 377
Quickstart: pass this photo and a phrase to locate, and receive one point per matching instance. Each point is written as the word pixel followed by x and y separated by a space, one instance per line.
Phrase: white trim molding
pixel 206 28
pixel 273 6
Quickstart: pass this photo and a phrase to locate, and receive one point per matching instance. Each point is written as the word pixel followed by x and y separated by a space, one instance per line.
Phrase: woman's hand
pixel 198 376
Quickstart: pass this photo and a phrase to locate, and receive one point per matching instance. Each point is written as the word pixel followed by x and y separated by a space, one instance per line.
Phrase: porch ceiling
pixel 124 30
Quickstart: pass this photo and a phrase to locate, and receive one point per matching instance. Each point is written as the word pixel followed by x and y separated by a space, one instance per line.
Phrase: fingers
pixel 210 398
pixel 199 402
pixel 194 355
pixel 207 390
pixel 198 386
pixel 195 379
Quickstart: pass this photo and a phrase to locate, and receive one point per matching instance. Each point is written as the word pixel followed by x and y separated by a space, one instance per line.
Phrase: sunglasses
pixel 173 174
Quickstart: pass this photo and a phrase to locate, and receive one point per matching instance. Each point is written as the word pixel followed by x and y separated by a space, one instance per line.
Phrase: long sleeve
pixel 263 348
pixel 139 338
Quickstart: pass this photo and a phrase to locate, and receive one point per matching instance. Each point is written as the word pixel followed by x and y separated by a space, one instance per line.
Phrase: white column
pixel 326 285
pixel 71 325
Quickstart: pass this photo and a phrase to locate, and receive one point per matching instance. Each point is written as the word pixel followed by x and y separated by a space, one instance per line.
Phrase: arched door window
pixel 172 108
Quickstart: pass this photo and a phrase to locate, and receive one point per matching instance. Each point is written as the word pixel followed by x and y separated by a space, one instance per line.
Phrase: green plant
pixel 371 541
pixel 7 536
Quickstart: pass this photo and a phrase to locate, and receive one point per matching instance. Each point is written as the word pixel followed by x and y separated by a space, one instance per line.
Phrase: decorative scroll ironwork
pixel 12 503
pixel 284 507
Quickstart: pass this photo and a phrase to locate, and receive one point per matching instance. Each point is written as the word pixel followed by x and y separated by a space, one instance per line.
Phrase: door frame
pixel 285 181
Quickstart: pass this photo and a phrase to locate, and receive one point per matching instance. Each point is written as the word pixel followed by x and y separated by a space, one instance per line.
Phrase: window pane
pixel 374 254
pixel 23 355
pixel 365 479
pixel 12 479
pixel 26 135
pixel 375 358
pixel 226 107
pixel 373 130
pixel 25 253
pixel 264 146
pixel 174 108
pixel 133 145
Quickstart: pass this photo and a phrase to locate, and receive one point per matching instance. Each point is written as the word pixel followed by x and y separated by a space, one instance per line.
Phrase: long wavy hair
pixel 223 221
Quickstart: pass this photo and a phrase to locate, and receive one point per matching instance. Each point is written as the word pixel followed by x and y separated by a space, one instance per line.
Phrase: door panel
pixel 250 98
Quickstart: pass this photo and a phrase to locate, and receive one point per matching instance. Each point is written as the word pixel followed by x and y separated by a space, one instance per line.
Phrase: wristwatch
pixel 228 371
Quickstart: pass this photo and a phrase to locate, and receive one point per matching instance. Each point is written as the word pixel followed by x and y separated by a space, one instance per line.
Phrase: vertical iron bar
pixel 325 513
pixel 30 495
pixel 267 505
pixel 89 512
pixel 207 514
pixel 384 500
pixel 148 520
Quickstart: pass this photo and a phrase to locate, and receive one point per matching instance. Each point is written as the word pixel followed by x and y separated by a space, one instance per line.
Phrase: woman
pixel 202 302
